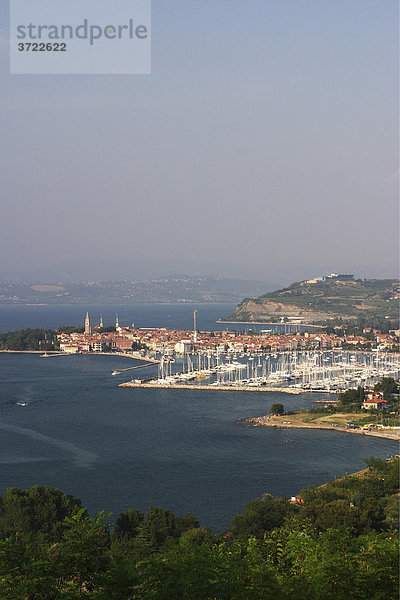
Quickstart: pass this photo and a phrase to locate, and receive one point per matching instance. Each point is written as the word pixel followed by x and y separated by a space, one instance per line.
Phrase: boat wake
pixel 81 458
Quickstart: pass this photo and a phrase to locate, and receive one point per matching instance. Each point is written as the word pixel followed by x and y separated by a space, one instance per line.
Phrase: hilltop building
pixel 340 276
pixel 335 276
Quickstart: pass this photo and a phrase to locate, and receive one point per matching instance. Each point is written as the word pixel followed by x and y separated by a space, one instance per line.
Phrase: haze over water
pixel 263 145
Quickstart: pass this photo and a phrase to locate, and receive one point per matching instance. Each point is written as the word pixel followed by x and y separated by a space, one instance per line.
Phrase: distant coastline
pixel 268 323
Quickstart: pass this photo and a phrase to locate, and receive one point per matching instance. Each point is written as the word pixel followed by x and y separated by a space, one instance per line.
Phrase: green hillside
pixel 332 298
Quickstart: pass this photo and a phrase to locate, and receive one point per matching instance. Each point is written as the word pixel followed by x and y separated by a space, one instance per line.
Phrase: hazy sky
pixel 264 142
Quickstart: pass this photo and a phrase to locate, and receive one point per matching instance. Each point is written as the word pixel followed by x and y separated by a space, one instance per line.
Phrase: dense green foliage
pixel 341 543
pixel 351 400
pixel 389 386
pixel 352 396
pixel 46 339
pixel 277 408
pixel 29 339
pixel 70 329
pixel 35 510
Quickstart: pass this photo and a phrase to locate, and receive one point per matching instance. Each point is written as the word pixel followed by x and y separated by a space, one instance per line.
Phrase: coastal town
pixel 149 341
pixel 311 361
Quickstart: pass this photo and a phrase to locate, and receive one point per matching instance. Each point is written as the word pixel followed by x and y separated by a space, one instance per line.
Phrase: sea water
pixel 64 422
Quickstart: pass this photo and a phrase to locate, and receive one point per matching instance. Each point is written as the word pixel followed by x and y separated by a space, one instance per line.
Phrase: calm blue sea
pixel 179 316
pixel 65 423
pixel 173 316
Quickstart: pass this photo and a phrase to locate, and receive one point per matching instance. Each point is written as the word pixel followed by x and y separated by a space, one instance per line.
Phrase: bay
pixel 173 316
pixel 64 422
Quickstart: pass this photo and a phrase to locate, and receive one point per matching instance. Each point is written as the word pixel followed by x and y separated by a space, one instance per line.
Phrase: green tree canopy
pixel 277 409
pixel 36 509
pixel 260 515
pixel 128 523
pixel 387 385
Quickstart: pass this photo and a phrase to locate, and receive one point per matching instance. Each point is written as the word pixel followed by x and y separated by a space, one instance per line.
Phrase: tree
pixel 277 409
pixel 28 339
pixel 83 557
pixel 196 536
pixel 128 523
pixel 224 571
pixel 158 526
pixel 186 523
pixel 37 509
pixel 27 569
pixel 353 396
pixel 259 516
pixel 70 329
pixel 387 385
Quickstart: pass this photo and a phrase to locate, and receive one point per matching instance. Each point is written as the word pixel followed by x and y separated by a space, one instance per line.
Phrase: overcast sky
pixel 263 144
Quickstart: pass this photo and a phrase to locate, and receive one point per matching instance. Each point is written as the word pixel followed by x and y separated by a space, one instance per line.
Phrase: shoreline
pixel 50 352
pixel 265 421
pixel 268 323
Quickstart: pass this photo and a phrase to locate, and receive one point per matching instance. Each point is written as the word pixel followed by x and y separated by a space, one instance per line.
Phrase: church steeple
pixel 87 325
pixel 101 321
pixel 116 322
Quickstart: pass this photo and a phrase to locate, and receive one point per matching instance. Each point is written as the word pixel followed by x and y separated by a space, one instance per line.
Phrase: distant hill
pixel 172 289
pixel 314 302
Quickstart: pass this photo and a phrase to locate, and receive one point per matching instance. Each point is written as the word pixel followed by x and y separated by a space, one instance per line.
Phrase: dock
pixel 131 355
pixel 211 388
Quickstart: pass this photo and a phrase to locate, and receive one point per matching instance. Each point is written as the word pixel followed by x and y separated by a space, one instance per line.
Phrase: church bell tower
pixel 87 325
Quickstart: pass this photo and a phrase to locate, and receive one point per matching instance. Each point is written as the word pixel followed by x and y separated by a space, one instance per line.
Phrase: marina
pixel 297 372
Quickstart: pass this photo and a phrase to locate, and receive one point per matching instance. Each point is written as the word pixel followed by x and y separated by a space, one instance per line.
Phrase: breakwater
pixel 132 355
pixel 211 388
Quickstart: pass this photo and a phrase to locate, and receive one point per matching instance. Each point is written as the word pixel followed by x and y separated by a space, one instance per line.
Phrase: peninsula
pixel 334 296
pixel 364 411
pixel 337 422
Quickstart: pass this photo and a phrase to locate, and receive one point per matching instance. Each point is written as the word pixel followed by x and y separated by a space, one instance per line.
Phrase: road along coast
pixel 295 422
